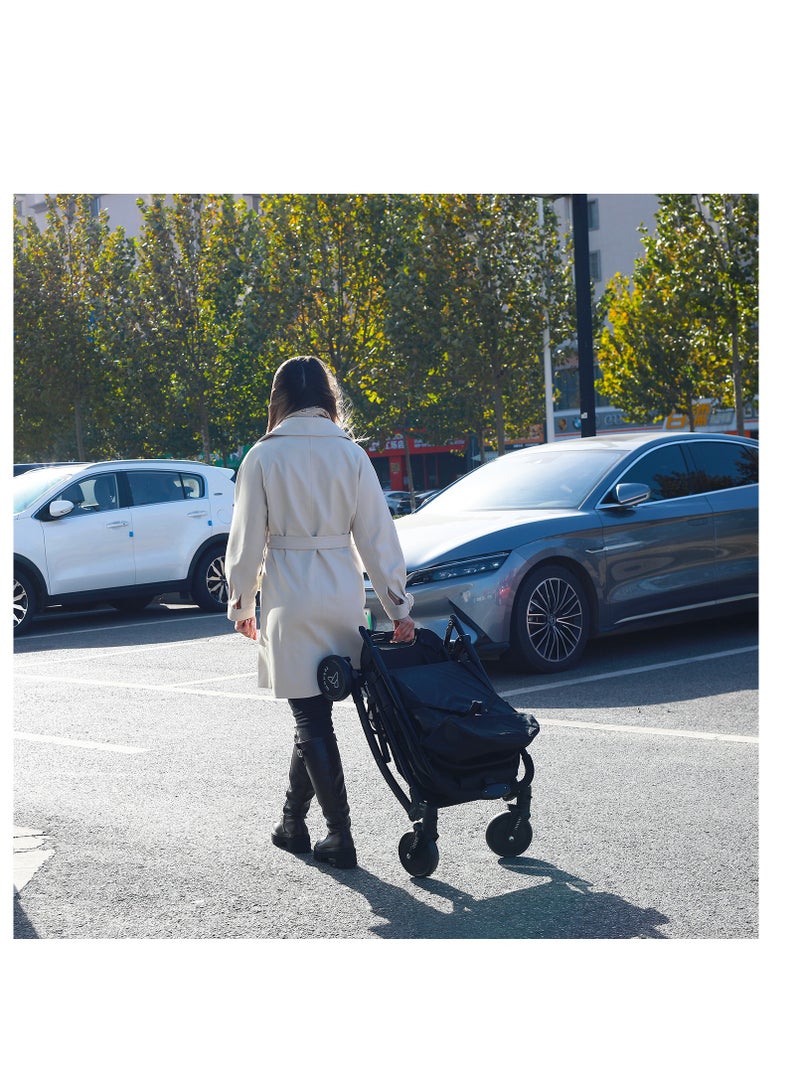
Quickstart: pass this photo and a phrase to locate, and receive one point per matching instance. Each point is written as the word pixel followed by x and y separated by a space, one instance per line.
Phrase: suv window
pixel 160 487
pixel 193 486
pixel 99 493
pixel 664 470
pixel 722 465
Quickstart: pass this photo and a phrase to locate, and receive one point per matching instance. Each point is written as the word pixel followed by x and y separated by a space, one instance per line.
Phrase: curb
pixel 29 855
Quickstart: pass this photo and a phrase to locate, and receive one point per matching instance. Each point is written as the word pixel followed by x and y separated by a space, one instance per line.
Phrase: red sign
pixel 416 446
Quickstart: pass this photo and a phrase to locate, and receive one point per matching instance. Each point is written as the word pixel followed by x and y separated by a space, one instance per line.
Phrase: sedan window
pixel 664 470
pixel 534 478
pixel 722 465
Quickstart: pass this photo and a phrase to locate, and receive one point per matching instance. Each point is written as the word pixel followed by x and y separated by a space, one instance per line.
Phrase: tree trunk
pixel 79 442
pixel 205 432
pixel 409 473
pixel 499 418
pixel 736 368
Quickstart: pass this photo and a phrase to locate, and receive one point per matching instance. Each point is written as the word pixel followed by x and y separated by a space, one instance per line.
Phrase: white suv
pixel 120 532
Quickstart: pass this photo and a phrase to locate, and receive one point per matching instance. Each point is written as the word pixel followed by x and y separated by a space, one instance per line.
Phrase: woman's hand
pixel 247 627
pixel 403 631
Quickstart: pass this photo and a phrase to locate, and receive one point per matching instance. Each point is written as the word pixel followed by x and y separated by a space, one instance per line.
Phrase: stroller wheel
pixel 335 677
pixel 420 859
pixel 508 835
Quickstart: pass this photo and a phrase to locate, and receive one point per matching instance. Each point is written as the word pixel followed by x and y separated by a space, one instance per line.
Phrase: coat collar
pixel 306 426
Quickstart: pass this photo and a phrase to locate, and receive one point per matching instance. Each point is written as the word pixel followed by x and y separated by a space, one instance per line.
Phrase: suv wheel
pixel 209 586
pixel 24 602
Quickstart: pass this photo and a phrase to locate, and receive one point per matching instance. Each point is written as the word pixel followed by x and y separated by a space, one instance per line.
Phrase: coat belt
pixel 322 541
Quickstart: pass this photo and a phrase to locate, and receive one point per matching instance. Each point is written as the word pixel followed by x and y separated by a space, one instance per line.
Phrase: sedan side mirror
pixel 630 493
pixel 59 508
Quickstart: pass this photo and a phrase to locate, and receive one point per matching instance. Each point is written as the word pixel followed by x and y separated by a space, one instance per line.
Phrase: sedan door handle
pixel 119 523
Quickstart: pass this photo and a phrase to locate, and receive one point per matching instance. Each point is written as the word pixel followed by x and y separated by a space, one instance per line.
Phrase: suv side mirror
pixel 59 508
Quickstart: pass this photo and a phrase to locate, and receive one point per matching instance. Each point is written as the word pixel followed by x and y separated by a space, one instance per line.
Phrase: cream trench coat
pixel 308 504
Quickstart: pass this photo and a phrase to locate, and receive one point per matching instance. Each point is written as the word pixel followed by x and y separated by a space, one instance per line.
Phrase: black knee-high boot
pixel 324 766
pixel 291 833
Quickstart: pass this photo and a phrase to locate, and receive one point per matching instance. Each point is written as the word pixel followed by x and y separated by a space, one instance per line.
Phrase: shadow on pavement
pixel 626 652
pixel 556 905
pixel 23 929
pixel 104 627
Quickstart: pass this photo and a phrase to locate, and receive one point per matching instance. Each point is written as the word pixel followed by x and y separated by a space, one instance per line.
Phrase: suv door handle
pixel 196 514
pixel 119 523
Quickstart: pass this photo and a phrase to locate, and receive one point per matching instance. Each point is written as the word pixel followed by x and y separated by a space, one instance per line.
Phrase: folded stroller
pixel 429 709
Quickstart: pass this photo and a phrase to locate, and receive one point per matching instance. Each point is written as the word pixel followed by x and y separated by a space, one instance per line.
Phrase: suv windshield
pixel 536 478
pixel 28 487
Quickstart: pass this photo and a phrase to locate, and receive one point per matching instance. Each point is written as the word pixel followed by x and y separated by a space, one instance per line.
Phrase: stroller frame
pixel 392 737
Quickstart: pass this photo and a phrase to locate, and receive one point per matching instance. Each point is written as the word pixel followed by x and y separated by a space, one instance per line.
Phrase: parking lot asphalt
pixel 645 798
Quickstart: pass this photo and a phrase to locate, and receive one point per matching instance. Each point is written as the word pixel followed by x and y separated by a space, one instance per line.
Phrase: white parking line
pixel 130 649
pixel 634 729
pixel 183 687
pixel 628 671
pixel 677 732
pixel 120 627
pixel 59 740
pixel 216 678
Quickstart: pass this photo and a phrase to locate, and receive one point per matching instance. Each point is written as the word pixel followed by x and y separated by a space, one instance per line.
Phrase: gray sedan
pixel 546 547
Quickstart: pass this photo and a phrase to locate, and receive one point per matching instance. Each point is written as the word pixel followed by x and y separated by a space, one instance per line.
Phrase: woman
pixel 307 498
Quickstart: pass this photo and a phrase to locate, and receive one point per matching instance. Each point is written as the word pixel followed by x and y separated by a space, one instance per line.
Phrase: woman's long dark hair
pixel 304 382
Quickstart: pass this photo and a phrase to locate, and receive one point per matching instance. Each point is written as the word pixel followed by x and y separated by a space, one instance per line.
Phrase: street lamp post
pixel 583 309
pixel 549 423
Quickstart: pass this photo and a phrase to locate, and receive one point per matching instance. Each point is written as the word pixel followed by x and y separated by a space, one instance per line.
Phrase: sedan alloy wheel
pixel 551 620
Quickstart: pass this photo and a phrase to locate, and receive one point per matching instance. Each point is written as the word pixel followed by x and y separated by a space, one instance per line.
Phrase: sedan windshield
pixel 28 487
pixel 552 477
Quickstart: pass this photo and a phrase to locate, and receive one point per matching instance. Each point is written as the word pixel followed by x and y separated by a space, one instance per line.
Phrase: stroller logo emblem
pixel 333 677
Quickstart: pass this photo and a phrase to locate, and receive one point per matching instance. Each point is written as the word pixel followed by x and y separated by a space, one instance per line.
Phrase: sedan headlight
pixel 470 566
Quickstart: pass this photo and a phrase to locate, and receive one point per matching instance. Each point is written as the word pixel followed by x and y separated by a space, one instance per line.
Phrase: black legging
pixel 313 717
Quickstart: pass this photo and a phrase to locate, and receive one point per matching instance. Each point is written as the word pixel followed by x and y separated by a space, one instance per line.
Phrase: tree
pixel 402 379
pixel 466 305
pixel 507 277
pixel 726 229
pixel 71 295
pixel 202 371
pixel 697 287
pixel 323 279
pixel 648 350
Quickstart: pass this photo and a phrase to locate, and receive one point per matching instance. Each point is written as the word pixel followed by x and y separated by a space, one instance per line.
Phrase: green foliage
pixel 323 282
pixel 649 350
pixel 71 295
pixel 201 378
pixel 469 279
pixel 431 309
pixel 687 326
